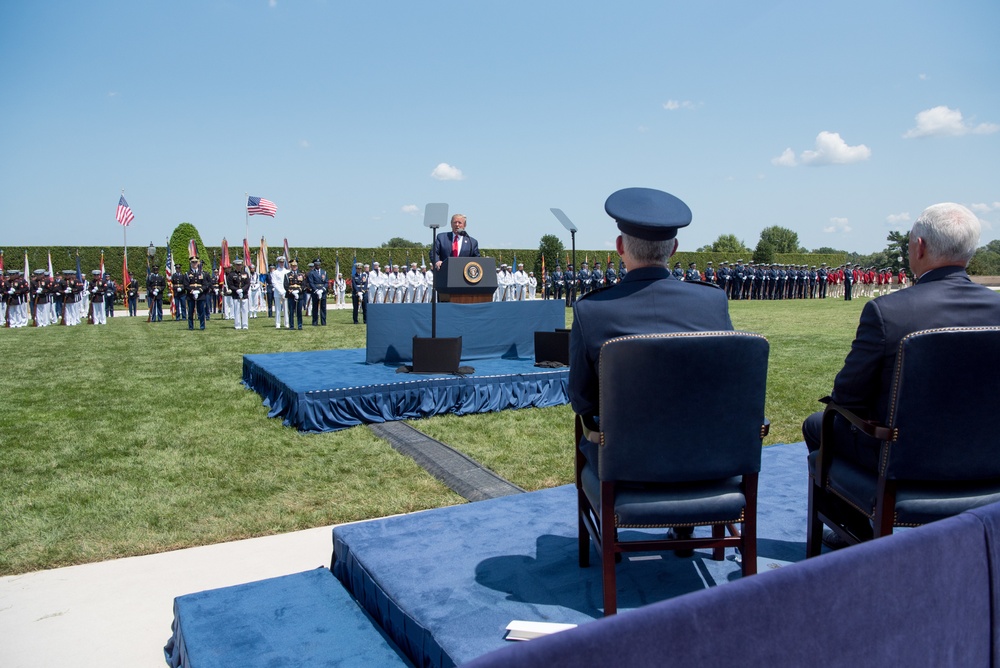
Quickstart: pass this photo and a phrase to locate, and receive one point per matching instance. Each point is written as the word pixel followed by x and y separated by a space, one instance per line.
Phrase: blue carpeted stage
pixel 334 389
pixel 443 584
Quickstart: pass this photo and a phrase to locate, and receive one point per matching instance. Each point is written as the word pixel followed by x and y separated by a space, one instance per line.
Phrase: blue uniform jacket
pixel 645 301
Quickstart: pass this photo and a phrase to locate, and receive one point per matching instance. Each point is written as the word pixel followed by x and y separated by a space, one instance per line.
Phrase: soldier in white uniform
pixel 278 286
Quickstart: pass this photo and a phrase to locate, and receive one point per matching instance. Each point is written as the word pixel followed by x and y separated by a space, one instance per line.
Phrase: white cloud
pixel 831 149
pixel 944 121
pixel 897 218
pixel 674 105
pixel 837 225
pixel 446 172
pixel 303 143
pixel 786 159
pixel 411 209
pixel 113 93
pixel 985 207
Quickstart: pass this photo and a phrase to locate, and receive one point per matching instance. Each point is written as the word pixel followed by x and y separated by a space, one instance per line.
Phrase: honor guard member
pixel 692 273
pixel 822 276
pixel 155 286
pixel 569 279
pixel 278 274
pixel 72 289
pixel 198 284
pixel 521 283
pixel 43 296
pixel 295 287
pixel 318 287
pixel 180 293
pixel 98 286
pixel 132 294
pixel 18 296
pixel 4 310
pixel 610 275
pixel 848 281
pixel 709 273
pixel 677 273
pixel 238 286
pixel 359 286
pixel 110 294
pixel 269 290
pixel 557 281
pixel 532 288
pixel 645 302
pixel 596 277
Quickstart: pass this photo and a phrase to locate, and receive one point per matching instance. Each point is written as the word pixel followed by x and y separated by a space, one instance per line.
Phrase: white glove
pixel 239 292
pixel 68 290
pixel 38 291
pixel 319 292
pixel 195 293
pixel 11 291
pixel 156 292
pixel 295 293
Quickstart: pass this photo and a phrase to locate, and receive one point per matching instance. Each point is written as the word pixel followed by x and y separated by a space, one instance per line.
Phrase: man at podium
pixel 455 243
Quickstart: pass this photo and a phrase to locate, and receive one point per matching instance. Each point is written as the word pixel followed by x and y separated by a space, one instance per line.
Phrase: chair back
pixel 683 406
pixel 945 406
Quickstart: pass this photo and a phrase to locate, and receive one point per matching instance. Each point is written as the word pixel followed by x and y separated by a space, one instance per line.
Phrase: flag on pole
pixel 260 206
pixel 336 269
pixel 422 265
pixel 246 254
pixel 1 262
pixel 124 213
pixel 354 267
pixel 170 262
pixel 192 248
pixel 262 258
pixel 288 256
pixel 50 265
pixel 27 273
pixel 224 260
pixel 125 280
pixel 102 264
pixel 79 273
pixel 543 270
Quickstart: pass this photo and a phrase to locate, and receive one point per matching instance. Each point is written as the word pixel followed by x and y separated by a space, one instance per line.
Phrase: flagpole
pixel 246 215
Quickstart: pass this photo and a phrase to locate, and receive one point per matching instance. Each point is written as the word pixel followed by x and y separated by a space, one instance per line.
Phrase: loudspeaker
pixel 436 355
pixel 552 346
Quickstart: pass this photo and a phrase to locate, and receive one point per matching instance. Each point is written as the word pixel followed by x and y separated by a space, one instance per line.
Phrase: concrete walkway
pixel 118 613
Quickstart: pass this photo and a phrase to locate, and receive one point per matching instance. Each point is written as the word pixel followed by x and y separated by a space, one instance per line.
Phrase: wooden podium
pixel 466 280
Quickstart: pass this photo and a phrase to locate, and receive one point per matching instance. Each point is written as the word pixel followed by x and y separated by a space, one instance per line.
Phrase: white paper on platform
pixel 522 630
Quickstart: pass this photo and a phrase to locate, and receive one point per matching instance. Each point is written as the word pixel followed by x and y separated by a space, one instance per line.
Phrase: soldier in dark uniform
pixel 155 286
pixel 583 280
pixel 132 294
pixel 18 293
pixel 692 273
pixel 848 281
pixel 709 272
pixel 237 283
pixel 318 287
pixel 677 272
pixel 596 277
pixel 558 282
pixel 269 291
pixel 569 278
pixel 96 290
pixel 295 287
pixel 72 289
pixel 180 293
pixel 736 280
pixel 722 277
pixel 822 275
pixel 359 286
pixel 610 275
pixel 198 285
pixel 110 295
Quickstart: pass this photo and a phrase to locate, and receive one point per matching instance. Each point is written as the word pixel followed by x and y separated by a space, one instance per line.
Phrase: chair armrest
pixel 869 427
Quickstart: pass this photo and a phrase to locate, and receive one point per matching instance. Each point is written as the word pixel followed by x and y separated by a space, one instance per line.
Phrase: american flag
pixel 260 206
pixel 124 214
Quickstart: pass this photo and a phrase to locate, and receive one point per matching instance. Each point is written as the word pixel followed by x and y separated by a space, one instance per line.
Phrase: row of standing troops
pixel 371 285
pixel 48 300
pixel 571 284
pixel 776 281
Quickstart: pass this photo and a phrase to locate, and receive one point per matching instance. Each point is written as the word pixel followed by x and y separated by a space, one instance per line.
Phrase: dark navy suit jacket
pixel 468 247
pixel 943 297
pixel 646 301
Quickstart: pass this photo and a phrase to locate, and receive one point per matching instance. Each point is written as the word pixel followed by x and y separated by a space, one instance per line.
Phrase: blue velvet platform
pixel 335 389
pixel 306 619
pixel 445 583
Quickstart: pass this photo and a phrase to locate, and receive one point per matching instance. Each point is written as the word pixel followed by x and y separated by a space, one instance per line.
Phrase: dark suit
pixel 646 301
pixel 467 247
pixel 944 297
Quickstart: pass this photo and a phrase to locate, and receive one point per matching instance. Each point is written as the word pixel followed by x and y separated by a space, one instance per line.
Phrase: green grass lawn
pixel 137 438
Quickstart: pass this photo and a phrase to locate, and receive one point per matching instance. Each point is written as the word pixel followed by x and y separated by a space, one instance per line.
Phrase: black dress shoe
pixel 681 533
pixel 833 540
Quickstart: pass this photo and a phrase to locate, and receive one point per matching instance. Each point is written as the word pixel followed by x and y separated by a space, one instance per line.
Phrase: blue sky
pixel 840 121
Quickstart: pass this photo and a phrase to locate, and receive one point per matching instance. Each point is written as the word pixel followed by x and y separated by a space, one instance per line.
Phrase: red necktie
pixel 454 246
